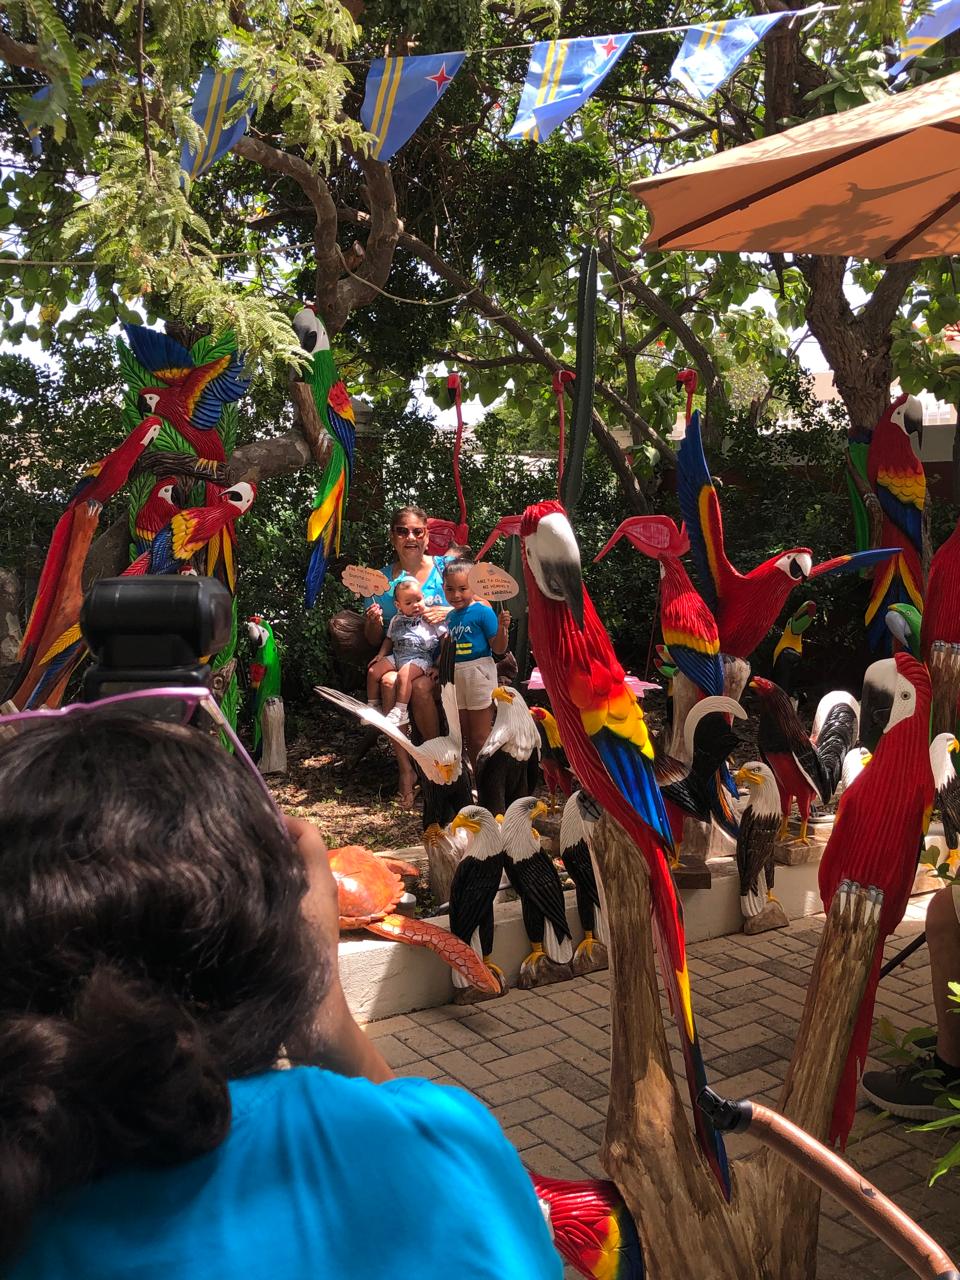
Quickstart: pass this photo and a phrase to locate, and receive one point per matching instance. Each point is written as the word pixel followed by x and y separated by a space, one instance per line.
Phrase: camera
pixel 153 631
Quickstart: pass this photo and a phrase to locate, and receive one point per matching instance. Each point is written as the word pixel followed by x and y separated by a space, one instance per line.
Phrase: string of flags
pixel 400 92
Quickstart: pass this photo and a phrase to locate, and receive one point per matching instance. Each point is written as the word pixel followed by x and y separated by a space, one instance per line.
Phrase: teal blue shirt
pixel 320 1178
pixel 471 630
pixel 432 588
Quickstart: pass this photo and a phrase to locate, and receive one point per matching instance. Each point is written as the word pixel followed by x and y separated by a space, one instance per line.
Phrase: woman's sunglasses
pixel 183 706
pixel 408 532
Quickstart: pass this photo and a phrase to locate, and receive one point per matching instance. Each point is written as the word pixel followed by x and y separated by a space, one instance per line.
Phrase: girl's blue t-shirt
pixel 320 1176
pixel 471 630
pixel 432 588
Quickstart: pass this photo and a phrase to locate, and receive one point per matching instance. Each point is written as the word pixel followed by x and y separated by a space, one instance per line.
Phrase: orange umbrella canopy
pixel 880 181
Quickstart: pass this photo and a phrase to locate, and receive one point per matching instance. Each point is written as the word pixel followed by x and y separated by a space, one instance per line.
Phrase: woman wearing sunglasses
pixel 164 939
pixel 408 538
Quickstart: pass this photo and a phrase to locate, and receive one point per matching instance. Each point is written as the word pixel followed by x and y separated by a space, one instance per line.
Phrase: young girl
pixel 409 648
pixel 479 637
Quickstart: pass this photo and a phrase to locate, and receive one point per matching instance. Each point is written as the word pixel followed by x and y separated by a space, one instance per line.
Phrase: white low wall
pixel 382 978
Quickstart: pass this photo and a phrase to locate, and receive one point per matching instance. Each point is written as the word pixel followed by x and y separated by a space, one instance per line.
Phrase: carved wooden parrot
pixel 689 628
pixel 609 748
pixel 188 395
pixel 897 477
pixel 265 681
pixel 747 605
pixel 98 484
pixel 876 838
pixel 335 410
pixel 190 531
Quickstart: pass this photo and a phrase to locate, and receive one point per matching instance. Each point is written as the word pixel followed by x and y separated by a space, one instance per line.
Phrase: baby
pixel 409 648
pixel 478 635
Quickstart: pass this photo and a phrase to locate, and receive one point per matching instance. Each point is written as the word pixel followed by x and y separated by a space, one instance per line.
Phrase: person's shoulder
pixel 408 1112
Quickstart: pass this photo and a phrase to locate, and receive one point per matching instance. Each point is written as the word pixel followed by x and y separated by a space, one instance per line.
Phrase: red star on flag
pixel 440 78
pixel 609 47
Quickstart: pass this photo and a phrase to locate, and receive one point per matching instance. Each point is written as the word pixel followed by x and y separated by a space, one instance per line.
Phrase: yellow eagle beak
pixel 539 810
pixel 502 695
pixel 953 745
pixel 460 823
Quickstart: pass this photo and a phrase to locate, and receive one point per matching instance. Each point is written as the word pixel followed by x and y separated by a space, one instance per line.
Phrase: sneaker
pixel 398 716
pixel 912 1092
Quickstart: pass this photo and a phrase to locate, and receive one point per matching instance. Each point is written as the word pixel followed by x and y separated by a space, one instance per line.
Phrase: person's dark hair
pixel 151 948
pixel 460 551
pixel 408 511
pixel 456 566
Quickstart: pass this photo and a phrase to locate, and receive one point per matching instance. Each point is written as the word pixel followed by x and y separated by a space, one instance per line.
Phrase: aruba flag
pixel 33 129
pixel 711 54
pixel 400 93
pixel 218 93
pixel 561 77
pixel 943 18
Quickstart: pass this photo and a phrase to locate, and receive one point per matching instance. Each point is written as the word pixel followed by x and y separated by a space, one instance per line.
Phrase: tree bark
pixel 649 1148
pixel 768 1231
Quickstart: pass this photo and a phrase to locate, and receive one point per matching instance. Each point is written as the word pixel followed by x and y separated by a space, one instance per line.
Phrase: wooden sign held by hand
pixel 364 582
pixel 490 582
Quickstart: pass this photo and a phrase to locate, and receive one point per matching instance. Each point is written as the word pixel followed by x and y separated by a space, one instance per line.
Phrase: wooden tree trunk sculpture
pixel 273 758
pixel 769 1229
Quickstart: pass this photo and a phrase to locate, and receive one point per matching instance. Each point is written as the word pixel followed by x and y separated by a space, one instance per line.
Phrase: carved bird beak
pixel 953 745
pixel 446 771
pixel 539 810
pixel 502 695
pixel 462 823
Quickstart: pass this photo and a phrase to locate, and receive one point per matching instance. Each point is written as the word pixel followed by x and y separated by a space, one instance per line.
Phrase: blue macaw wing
pixel 225 388
pixel 693 476
pixel 345 433
pixel 64 660
pixel 317 570
pixel 157 350
pixel 632 773
pixel 704 669
pixel 903 514
pixel 162 559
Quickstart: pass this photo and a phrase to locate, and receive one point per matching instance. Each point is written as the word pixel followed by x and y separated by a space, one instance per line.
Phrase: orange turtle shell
pixel 368 887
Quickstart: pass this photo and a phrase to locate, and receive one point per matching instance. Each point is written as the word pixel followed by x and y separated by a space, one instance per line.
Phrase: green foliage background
pixel 782 488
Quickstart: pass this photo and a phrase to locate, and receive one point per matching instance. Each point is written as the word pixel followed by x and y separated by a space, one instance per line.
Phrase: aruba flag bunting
pixel 218 93
pixel 711 54
pixel 399 95
pixel 561 77
pixel 943 18
pixel 29 120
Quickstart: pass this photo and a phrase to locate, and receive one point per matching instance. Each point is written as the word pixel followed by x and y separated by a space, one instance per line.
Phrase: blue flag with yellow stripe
pixel 711 54
pixel 399 95
pixel 218 95
pixel 943 18
pixel 30 120
pixel 561 77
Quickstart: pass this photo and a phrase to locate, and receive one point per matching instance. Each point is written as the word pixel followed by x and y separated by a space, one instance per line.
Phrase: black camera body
pixel 154 631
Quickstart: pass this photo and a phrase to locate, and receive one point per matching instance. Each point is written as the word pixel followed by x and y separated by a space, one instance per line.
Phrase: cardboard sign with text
pixel 490 582
pixel 364 582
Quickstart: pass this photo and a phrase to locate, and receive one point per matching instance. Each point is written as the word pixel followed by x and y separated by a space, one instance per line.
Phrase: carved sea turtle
pixel 368 889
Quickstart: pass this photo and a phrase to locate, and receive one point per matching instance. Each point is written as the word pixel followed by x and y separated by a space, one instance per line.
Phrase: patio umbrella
pixel 880 181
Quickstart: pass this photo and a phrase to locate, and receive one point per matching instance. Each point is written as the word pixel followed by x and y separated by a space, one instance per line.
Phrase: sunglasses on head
pixel 182 706
pixel 408 531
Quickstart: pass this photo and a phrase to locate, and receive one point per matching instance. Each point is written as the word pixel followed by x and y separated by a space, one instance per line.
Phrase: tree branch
pixel 477 300
pixel 336 296
pixel 881 307
pixel 19 54
pixel 326 250
pixel 670 316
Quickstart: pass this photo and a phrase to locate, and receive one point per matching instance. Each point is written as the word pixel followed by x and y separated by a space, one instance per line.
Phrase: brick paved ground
pixel 540 1060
